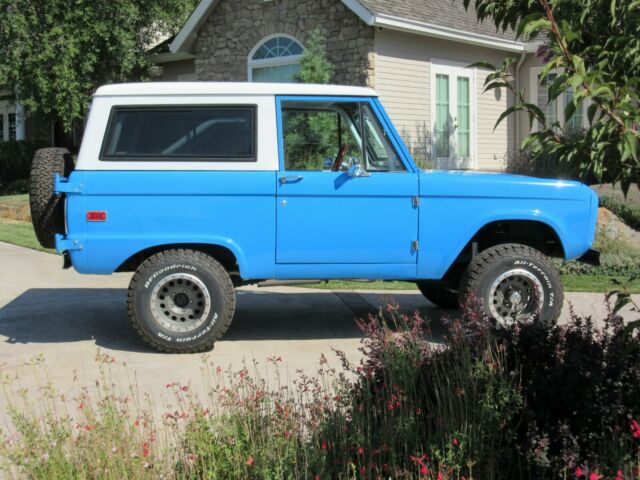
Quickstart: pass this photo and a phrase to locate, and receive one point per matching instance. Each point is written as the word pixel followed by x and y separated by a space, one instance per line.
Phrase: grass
pixel 21 234
pixel 572 283
pixel 348 285
pixel 14 200
pixel 594 283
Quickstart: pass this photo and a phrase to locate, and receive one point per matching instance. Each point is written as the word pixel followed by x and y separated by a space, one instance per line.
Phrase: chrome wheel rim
pixel 180 302
pixel 515 296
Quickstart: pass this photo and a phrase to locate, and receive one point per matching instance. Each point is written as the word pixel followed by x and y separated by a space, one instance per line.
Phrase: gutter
pixel 429 29
pixel 523 56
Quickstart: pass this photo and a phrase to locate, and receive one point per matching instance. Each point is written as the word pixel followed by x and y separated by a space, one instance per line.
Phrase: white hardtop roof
pixel 230 88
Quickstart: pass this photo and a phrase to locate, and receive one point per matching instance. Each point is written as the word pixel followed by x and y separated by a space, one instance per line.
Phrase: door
pixel 452 116
pixel 342 197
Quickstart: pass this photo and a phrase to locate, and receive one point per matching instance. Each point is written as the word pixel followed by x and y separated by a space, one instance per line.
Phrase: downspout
pixel 523 55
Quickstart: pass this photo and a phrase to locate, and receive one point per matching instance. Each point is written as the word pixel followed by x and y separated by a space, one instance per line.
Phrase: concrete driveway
pixel 67 317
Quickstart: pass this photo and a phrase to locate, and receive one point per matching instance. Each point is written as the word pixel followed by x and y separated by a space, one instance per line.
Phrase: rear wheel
pixel 181 301
pixel 515 283
pixel 441 294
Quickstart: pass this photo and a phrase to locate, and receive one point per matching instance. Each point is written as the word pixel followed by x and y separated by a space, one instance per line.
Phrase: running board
pixel 287 283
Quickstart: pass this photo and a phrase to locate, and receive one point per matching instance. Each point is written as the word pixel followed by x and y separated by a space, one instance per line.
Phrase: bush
pixel 627 212
pixel 17 187
pixel 580 388
pixel 15 159
pixel 528 401
pixel 618 258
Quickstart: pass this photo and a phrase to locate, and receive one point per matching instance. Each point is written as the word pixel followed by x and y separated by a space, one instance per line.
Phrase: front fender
pixel 448 224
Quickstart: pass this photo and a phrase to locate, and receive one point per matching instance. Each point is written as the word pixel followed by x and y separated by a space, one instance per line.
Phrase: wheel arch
pixel 538 234
pixel 228 258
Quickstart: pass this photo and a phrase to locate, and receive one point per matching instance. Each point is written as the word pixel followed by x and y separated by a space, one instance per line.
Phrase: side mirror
pixel 356 170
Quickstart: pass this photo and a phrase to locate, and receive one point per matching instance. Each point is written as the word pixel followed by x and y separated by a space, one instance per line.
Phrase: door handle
pixel 291 179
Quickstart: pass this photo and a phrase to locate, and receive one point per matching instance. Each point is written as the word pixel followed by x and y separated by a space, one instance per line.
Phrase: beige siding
pixel 526 83
pixel 403 79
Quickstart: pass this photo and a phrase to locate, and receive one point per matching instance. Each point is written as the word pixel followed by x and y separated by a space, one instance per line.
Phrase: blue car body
pixel 316 225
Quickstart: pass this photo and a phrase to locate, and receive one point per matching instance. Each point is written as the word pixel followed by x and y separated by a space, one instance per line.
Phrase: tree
pixel 54 53
pixel 592 48
pixel 310 138
pixel 315 67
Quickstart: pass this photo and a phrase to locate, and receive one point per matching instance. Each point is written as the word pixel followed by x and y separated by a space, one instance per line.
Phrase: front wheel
pixel 181 301
pixel 515 283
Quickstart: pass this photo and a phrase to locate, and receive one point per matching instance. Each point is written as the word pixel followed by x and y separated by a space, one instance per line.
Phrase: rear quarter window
pixel 216 133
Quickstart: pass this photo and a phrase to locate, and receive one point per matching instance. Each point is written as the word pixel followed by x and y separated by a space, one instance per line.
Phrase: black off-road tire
pixel 193 266
pixel 441 294
pixel 47 208
pixel 491 264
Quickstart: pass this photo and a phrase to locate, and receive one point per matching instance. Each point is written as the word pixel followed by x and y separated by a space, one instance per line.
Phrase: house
pixel 12 119
pixel 415 53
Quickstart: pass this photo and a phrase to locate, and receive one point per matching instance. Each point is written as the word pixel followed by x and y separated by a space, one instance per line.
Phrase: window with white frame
pixel 554 110
pixel 276 58
pixel 11 121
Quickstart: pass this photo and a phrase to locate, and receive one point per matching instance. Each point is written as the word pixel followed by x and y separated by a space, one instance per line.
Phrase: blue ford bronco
pixel 202 187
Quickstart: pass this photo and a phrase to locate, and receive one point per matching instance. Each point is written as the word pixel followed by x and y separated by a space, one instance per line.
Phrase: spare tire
pixel 47 208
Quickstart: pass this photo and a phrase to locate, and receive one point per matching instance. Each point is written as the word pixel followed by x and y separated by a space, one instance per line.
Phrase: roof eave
pixel 438 31
pixel 187 35
pixel 447 33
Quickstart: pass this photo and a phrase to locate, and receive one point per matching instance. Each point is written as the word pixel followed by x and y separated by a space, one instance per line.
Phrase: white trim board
pixel 432 30
pixel 455 69
pixel 186 37
pixel 270 62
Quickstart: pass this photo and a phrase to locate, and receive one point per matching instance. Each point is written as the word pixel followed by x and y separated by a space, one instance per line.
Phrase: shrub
pixel 627 212
pixel 414 408
pixel 581 388
pixel 15 159
pixel 527 401
pixel 17 187
pixel 618 258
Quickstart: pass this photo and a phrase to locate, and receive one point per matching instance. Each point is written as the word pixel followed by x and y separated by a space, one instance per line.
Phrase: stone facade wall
pixel 234 27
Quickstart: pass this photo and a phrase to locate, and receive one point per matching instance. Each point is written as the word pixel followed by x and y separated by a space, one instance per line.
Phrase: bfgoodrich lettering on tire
pixel 181 301
pixel 515 283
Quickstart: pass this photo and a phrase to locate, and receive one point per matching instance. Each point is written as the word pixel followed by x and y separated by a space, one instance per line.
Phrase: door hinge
pixel 67 244
pixel 415 201
pixel 63 185
pixel 415 245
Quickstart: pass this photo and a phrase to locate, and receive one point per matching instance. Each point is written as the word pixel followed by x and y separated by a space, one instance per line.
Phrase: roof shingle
pixel 446 13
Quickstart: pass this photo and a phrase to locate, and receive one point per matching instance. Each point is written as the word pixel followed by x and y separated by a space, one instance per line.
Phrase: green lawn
pixel 14 200
pixel 572 283
pixel 21 233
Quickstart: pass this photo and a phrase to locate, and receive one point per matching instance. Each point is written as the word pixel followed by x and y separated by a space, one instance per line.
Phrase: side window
pixel 318 136
pixel 321 136
pixel 222 133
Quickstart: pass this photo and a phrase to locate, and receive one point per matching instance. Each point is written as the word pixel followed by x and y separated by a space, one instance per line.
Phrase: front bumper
pixel 592 257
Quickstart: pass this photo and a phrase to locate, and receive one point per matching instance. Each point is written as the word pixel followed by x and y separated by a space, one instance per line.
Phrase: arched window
pixel 275 59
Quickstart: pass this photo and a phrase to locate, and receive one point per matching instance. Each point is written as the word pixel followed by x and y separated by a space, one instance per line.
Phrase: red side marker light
pixel 96 216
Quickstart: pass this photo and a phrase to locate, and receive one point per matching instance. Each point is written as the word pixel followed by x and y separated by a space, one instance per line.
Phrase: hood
pixel 459 183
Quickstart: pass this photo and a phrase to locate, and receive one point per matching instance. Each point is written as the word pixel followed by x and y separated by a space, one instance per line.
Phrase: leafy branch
pixel 593 56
